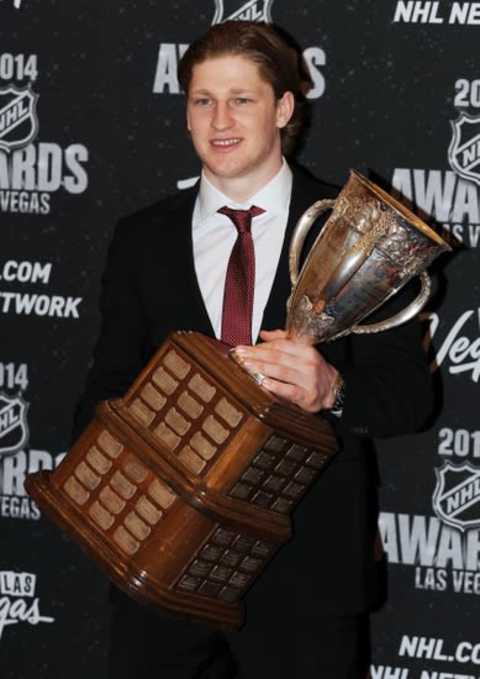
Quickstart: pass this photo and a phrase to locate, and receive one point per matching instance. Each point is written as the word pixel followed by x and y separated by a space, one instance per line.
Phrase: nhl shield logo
pixel 464 149
pixel 252 10
pixel 18 117
pixel 456 500
pixel 13 424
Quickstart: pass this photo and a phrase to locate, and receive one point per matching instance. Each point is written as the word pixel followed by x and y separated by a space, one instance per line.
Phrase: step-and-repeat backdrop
pixel 91 128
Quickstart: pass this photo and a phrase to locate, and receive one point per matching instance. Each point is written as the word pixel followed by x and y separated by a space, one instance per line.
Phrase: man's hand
pixel 292 370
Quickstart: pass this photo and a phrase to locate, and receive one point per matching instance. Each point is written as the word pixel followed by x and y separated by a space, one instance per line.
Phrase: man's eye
pixel 201 101
pixel 240 101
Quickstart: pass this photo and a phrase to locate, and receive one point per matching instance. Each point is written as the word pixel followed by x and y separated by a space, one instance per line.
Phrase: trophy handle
pixel 301 230
pixel 402 316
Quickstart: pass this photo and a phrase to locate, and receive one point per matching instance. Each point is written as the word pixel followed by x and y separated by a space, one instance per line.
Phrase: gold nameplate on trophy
pixel 182 490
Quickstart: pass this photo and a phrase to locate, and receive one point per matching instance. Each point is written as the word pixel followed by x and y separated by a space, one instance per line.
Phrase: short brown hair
pixel 279 62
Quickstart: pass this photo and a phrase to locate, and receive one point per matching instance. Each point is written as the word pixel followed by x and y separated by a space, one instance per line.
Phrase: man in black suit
pixel 168 269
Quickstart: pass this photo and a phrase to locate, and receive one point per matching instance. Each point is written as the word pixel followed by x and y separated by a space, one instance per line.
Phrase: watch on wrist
pixel 338 389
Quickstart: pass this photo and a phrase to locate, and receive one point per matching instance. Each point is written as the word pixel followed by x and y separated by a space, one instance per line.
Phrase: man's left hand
pixel 292 369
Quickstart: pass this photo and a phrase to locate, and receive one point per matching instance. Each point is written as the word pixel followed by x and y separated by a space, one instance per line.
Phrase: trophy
pixel 182 490
pixel 371 246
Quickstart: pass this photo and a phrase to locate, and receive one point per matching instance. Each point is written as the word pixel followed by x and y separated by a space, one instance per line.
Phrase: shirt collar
pixel 274 197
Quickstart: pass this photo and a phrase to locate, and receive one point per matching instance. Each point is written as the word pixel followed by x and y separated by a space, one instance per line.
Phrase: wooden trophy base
pixel 182 490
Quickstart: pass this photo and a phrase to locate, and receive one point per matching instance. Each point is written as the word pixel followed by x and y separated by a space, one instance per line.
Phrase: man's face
pixel 235 121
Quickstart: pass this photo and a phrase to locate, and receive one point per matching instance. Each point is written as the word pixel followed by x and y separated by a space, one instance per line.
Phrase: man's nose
pixel 222 117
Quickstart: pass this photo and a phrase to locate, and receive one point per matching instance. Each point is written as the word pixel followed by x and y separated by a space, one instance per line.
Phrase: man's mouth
pixel 225 143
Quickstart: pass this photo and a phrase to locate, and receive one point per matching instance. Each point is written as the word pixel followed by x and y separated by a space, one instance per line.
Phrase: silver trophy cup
pixel 369 248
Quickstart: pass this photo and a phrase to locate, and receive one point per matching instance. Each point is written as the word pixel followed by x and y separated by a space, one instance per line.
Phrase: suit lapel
pixel 190 312
pixel 200 317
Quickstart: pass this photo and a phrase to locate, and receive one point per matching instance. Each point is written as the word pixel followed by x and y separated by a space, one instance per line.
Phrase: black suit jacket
pixel 150 289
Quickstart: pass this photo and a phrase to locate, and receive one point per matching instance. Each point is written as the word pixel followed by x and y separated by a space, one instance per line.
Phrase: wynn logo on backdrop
pixel 18 117
pixel 253 10
pixel 456 499
pixel 464 149
pixel 13 424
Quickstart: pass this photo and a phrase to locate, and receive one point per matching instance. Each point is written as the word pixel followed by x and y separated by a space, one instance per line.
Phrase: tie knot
pixel 242 218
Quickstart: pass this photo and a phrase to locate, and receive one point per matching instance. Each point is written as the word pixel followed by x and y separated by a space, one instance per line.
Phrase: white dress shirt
pixel 214 236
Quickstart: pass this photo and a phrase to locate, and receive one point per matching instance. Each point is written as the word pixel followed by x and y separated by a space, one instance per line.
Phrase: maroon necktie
pixel 240 280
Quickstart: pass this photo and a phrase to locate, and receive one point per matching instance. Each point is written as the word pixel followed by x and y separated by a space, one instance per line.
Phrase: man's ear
pixel 285 109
